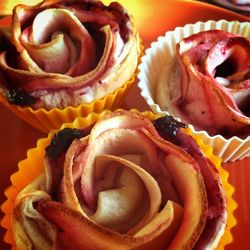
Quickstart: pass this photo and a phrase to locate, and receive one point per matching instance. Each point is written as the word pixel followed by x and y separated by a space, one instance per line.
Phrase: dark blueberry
pixel 20 97
pixel 167 126
pixel 62 140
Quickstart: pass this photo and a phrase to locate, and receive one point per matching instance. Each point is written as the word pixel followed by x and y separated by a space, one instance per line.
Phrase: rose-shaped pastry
pixel 210 84
pixel 202 78
pixel 64 53
pixel 120 185
pixel 238 5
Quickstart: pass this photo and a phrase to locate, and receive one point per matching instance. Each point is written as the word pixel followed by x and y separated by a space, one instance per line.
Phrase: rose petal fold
pixel 210 64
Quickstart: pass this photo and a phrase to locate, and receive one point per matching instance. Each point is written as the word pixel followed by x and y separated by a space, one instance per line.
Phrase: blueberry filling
pixel 20 97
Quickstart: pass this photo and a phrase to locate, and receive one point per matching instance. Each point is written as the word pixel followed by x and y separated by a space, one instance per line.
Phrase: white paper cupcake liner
pixel 161 54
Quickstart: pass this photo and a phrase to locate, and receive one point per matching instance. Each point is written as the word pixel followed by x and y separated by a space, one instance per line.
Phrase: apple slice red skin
pixel 212 107
pixel 77 232
pixel 217 203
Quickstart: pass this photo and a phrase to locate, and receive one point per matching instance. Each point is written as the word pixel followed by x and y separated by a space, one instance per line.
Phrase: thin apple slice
pixel 120 141
pixel 122 119
pixel 132 190
pixel 210 64
pixel 28 225
pixel 166 223
pixel 189 183
pixel 117 207
pixel 77 232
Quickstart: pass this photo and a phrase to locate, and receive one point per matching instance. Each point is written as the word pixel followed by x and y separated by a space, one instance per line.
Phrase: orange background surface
pixel 152 18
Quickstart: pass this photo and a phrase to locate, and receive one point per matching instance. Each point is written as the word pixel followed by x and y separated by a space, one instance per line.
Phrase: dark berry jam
pixel 20 97
pixel 167 127
pixel 62 140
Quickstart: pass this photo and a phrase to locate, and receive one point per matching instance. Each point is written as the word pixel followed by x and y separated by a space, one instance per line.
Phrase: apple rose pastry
pixel 64 53
pixel 124 183
pixel 210 83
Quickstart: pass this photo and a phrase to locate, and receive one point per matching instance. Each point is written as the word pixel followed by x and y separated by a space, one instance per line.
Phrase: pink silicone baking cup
pixel 32 166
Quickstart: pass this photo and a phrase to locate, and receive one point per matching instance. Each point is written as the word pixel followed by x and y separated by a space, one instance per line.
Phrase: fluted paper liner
pixel 32 166
pixel 162 52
